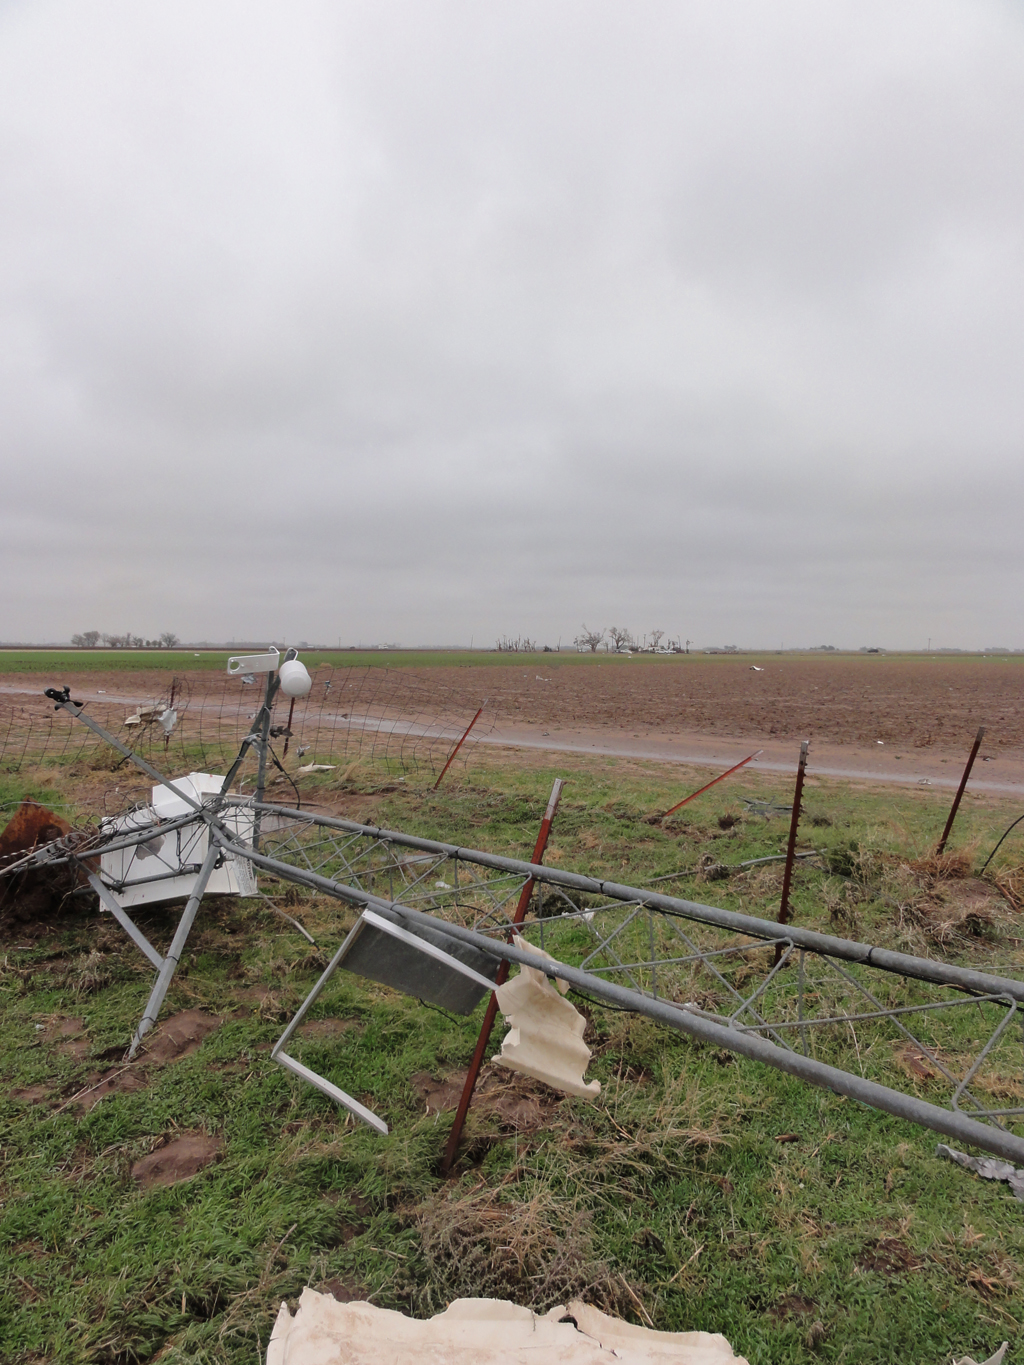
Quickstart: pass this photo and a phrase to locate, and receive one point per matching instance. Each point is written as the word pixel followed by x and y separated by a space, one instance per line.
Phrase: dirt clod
pixel 344 1291
pixel 29 901
pixel 178 1160
pixel 888 1256
pixel 517 1103
pixel 792 1306
pixel 179 1036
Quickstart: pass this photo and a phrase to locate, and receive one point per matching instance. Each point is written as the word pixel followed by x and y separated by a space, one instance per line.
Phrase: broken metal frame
pixel 685 1018
pixel 413 941
pixel 392 850
pixel 347 842
pixel 205 811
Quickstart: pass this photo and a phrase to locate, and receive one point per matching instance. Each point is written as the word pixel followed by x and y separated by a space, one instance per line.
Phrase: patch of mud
pixel 68 1035
pixel 354 1220
pixel 438 1096
pixel 792 1306
pixel 256 993
pixel 330 1028
pixel 32 1094
pixel 31 826
pixel 179 1036
pixel 124 1080
pixel 888 1256
pixel 517 1103
pixel 264 1002
pixel 179 1160
pixel 31 900
pixel 344 1290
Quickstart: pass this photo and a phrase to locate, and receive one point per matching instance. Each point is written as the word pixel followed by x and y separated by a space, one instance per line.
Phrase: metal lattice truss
pixel 934 1042
pixel 813 995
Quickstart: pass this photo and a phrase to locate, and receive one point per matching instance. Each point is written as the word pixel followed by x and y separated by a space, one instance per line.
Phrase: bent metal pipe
pixel 951 1123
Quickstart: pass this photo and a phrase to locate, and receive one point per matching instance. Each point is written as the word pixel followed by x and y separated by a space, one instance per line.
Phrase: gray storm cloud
pixel 421 322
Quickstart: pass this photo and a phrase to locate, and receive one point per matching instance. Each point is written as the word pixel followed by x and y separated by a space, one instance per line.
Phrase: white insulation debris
pixel 479 1332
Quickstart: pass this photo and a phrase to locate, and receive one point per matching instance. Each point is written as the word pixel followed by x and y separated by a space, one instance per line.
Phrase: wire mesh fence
pixel 395 720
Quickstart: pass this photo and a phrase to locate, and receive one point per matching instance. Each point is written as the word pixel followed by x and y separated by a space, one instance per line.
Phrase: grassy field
pixel 670 1199
pixel 135 660
pixel 186 660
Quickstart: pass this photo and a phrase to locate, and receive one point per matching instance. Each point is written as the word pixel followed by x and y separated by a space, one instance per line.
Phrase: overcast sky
pixel 420 322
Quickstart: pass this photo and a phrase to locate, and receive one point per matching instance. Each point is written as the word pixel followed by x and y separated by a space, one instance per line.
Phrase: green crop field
pixel 671 1199
pixel 139 660
pixel 182 660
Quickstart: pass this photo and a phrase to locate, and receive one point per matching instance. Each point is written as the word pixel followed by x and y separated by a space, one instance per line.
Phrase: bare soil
pixel 174 1038
pixel 516 1103
pixel 899 718
pixel 921 702
pixel 179 1036
pixel 178 1160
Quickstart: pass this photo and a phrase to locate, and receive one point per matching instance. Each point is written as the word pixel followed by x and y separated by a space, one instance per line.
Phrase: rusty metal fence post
pixel 960 790
pixel 492 1005
pixel 784 915
pixel 465 733
pixel 714 781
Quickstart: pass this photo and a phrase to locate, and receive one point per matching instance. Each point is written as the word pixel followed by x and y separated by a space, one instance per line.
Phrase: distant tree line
pixel 521 644
pixel 90 639
pixel 621 640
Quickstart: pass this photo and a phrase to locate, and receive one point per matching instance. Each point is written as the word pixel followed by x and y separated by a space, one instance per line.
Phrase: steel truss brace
pixel 696 1025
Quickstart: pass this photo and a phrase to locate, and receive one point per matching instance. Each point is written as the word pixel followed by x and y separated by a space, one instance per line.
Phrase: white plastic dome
pixel 295 679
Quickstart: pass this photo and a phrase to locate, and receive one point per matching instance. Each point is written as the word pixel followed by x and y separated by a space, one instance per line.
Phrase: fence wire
pixel 395 721
pixel 964 1050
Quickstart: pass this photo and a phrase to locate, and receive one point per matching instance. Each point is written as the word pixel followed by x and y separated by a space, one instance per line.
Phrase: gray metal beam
pixel 825 945
pixel 952 1124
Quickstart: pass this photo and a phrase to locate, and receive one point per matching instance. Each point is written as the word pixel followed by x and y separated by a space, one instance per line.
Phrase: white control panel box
pixel 165 867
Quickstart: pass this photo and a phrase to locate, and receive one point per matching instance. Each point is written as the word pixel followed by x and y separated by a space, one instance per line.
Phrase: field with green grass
pixel 181 660
pixel 187 660
pixel 671 1199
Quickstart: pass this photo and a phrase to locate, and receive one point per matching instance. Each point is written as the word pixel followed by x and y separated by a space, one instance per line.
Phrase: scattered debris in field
pixel 479 1332
pixel 996 1359
pixel 545 1037
pixel 989 1168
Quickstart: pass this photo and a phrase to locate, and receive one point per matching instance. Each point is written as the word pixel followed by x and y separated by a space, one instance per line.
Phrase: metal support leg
pixel 273 683
pixel 170 962
pixel 368 917
pixel 132 930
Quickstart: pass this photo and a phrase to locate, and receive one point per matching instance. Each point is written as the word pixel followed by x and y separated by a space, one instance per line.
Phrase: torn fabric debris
pixel 545 1037
pixel 479 1332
